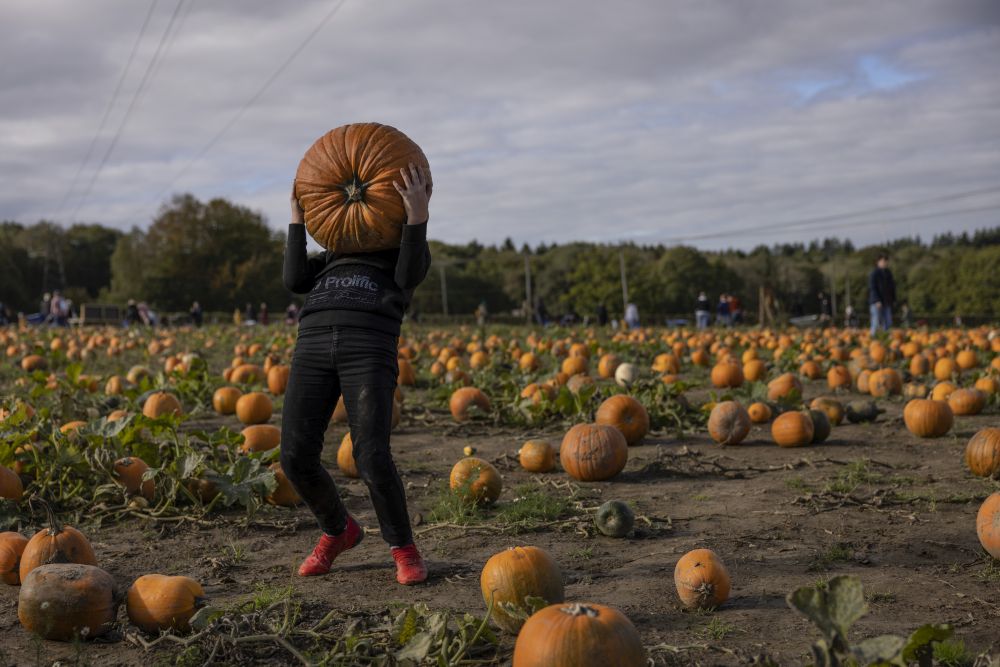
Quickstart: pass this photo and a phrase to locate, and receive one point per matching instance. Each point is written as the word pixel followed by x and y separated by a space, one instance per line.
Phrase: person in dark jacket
pixel 347 346
pixel 602 315
pixel 881 294
pixel 197 315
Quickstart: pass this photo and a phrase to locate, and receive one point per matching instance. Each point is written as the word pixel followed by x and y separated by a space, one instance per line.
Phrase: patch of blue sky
pixel 883 75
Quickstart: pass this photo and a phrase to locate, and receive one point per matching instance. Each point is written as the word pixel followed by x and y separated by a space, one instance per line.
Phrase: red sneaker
pixel 410 568
pixel 329 547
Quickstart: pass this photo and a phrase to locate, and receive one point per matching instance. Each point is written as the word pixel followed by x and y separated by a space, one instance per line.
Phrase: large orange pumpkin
pixel 988 524
pixel 701 579
pixel 928 418
pixel 593 452
pixel 344 184
pixel 277 379
pixel 727 373
pixel 627 415
pixel 224 400
pixel 785 386
pixel 514 574
pixel 161 403
pixel 578 635
pixel 158 602
pixel 967 401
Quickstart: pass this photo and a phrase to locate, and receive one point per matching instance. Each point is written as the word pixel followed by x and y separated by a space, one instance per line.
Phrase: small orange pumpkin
pixel 260 438
pixel 537 456
pixel 130 471
pixel 701 579
pixel 465 400
pixel 11 487
pixel 277 379
pixel 11 547
pixel 55 544
pixel 284 495
pixel 729 423
pixel 224 400
pixel 345 457
pixel 475 481
pixel 593 452
pixel 982 454
pixel 157 602
pixel 967 401
pixel 760 413
pixel 161 403
pixel 254 408
pixel 792 429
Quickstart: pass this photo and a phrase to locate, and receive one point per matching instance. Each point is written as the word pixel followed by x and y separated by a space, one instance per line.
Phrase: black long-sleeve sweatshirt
pixel 370 290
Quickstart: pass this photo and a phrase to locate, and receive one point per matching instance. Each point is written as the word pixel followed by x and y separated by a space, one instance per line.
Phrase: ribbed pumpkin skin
pixel 593 452
pixel 11 547
pixel 701 579
pixel 344 185
pixel 157 602
pixel 63 601
pixel 928 418
pixel 982 454
pixel 578 635
pixel 967 401
pixel 627 415
pixel 729 423
pixel 511 575
pixel 988 525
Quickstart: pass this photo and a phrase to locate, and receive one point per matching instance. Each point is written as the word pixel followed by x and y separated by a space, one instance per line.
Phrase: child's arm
pixel 414 254
pixel 299 272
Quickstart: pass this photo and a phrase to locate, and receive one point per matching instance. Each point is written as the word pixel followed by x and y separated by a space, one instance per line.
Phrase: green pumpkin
pixel 821 426
pixel 614 518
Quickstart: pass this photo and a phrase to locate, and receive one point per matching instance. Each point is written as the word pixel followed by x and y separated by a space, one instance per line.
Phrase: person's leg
pixel 886 317
pixel 875 317
pixel 311 395
pixel 368 369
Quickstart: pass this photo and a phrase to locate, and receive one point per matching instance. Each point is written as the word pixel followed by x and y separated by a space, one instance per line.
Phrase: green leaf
pixel 834 609
pixel 205 616
pixel 924 637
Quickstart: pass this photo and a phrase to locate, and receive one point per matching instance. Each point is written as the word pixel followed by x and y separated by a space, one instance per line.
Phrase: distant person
pixel 735 309
pixel 881 294
pixel 904 314
pixel 722 311
pixel 262 315
pixel 632 316
pixel 850 319
pixel 291 314
pixel 602 314
pixel 131 313
pixel 702 311
pixel 825 307
pixel 541 313
pixel 249 314
pixel 482 313
pixel 58 310
pixel 197 317
pixel 237 316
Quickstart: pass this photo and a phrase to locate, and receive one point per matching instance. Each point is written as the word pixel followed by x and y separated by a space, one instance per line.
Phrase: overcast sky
pixel 712 123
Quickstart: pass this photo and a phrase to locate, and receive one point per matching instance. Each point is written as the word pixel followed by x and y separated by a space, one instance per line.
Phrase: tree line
pixel 224 255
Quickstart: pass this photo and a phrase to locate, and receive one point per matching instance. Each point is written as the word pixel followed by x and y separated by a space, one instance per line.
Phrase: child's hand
pixel 298 216
pixel 416 192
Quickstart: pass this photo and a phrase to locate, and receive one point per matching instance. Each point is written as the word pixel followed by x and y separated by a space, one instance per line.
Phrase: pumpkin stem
pixel 355 189
pixel 577 609
pixel 55 526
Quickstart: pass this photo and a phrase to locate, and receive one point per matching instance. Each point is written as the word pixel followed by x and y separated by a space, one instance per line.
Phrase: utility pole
pixel 621 266
pixel 529 304
pixel 444 292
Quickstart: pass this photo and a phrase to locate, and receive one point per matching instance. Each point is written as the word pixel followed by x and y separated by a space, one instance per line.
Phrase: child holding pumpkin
pixel 347 345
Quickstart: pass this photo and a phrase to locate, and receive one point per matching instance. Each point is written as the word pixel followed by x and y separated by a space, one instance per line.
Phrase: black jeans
pixel 361 364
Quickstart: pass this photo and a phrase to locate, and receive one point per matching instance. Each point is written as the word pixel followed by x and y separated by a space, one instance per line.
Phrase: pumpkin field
pixel 660 496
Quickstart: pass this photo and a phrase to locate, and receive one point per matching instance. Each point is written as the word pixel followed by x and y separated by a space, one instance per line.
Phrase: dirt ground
pixel 872 501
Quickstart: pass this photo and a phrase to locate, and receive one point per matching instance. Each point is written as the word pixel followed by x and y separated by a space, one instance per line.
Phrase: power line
pixel 107 111
pixel 780 226
pixel 128 111
pixel 171 40
pixel 249 103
